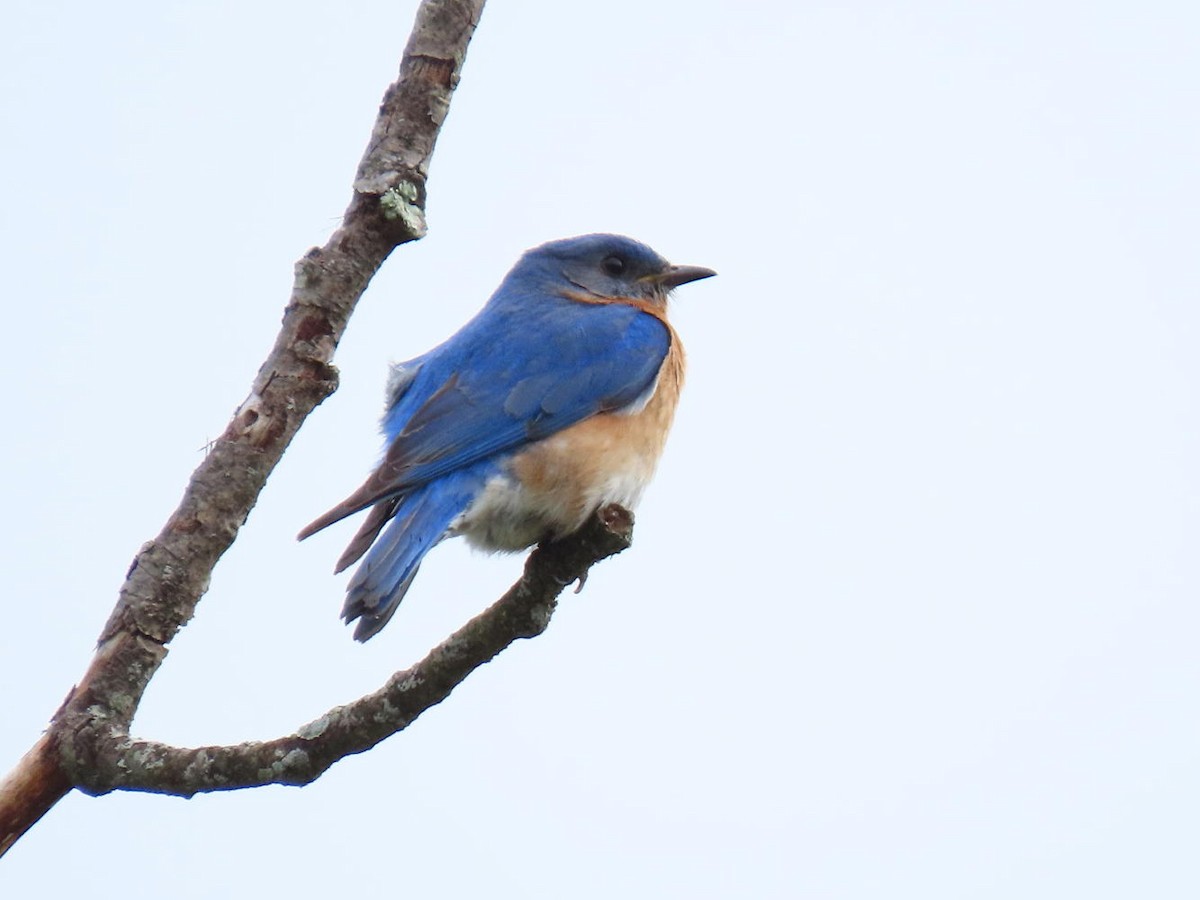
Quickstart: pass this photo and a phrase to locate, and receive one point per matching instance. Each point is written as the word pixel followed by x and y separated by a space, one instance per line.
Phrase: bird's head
pixel 606 266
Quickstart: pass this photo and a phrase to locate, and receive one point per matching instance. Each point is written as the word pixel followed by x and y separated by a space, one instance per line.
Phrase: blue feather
pixel 494 387
pixel 419 523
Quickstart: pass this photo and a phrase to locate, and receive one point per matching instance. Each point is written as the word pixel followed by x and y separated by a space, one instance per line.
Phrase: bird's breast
pixel 549 488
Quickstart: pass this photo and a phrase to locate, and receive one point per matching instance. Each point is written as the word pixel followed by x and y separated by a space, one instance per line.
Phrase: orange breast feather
pixel 609 458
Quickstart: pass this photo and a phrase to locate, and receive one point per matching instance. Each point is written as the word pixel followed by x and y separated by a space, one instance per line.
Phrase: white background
pixel 912 606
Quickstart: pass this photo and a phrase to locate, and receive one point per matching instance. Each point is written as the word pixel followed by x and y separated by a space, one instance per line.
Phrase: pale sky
pixel 912 606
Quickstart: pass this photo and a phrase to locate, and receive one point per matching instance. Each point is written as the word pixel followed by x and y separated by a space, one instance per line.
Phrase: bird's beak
pixel 674 276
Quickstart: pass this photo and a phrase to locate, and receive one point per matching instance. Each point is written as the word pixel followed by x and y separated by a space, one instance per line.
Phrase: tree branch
pixel 35 785
pixel 300 758
pixel 171 572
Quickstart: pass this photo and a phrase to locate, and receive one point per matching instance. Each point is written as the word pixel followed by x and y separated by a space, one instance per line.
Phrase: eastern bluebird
pixel 553 401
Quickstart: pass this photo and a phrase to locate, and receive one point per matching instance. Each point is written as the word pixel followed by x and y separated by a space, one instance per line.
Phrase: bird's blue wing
pixel 521 380
pixel 510 377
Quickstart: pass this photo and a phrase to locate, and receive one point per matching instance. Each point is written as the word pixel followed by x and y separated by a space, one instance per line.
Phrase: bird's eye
pixel 613 265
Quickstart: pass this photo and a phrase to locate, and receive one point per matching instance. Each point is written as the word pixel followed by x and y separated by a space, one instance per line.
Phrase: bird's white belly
pixel 508 515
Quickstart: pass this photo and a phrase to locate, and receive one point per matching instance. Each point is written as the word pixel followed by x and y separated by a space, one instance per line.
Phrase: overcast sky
pixel 912 606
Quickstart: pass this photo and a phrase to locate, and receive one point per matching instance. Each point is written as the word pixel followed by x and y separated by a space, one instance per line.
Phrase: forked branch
pixel 299 758
pixel 171 572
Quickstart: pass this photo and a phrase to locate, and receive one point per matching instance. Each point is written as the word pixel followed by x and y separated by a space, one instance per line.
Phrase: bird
pixel 553 401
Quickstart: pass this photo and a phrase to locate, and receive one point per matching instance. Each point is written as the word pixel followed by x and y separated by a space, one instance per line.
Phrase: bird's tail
pixel 421 520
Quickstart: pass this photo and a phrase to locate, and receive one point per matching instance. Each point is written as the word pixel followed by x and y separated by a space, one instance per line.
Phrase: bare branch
pixel 300 758
pixel 35 785
pixel 171 572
